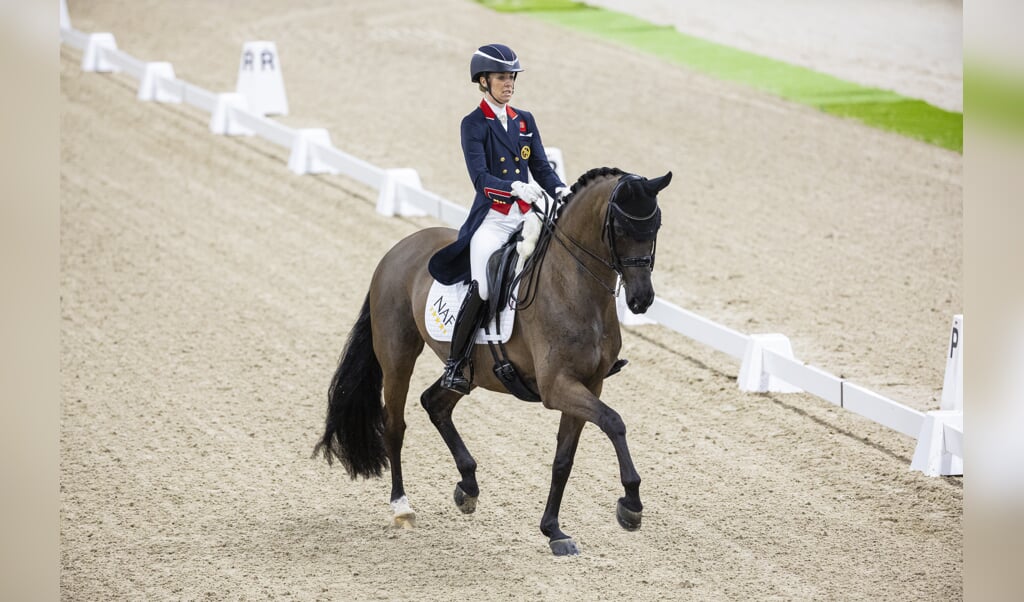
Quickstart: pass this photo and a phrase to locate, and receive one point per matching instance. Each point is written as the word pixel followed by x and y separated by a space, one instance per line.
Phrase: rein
pixel 613 291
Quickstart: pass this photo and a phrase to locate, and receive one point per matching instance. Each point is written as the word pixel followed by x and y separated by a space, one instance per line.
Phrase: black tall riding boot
pixel 466 324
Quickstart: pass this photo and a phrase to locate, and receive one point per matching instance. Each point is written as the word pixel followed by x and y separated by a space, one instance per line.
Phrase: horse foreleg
pixel 580 402
pixel 569 430
pixel 629 509
pixel 439 403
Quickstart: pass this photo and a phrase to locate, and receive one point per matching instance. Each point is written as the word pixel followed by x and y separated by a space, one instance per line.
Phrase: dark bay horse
pixel 563 344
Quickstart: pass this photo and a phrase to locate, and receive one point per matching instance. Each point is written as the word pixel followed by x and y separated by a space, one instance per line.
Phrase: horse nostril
pixel 639 305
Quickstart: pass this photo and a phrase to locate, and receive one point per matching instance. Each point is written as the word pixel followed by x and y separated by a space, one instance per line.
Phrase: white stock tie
pixel 503 118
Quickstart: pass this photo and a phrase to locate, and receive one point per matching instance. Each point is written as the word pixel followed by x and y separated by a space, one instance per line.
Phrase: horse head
pixel 631 228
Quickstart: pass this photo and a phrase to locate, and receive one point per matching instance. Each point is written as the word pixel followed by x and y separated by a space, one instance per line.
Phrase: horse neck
pixel 583 221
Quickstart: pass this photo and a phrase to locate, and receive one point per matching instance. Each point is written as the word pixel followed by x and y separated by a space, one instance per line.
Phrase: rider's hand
pixel 561 192
pixel 530 192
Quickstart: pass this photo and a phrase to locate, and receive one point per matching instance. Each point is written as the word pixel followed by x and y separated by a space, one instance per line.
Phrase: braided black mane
pixel 595 173
pixel 586 179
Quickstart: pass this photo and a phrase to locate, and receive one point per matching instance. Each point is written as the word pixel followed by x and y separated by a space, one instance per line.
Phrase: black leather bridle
pixel 640 228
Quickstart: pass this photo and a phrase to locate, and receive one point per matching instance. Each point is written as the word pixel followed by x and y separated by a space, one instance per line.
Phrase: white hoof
pixel 403 515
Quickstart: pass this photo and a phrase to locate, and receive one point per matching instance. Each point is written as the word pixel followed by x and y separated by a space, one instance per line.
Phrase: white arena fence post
pixel 937 442
pixel 221 119
pixel 394 197
pixel 753 376
pixel 260 79
pixel 65 18
pixel 152 86
pixel 939 450
pixel 92 55
pixel 304 157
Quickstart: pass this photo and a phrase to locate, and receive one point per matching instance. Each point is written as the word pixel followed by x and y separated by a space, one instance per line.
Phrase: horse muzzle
pixel 639 303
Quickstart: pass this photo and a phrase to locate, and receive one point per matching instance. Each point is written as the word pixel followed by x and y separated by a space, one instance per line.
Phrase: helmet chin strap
pixel 491 94
pixel 487 86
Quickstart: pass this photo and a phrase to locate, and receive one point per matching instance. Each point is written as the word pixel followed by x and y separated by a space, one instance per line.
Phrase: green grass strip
pixel 878 108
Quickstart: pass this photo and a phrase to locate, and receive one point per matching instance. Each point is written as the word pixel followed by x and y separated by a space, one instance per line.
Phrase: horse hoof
pixel 628 519
pixel 465 503
pixel 404 517
pixel 564 547
pixel 405 521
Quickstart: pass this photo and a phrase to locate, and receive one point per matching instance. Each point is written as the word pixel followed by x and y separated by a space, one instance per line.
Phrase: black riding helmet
pixel 493 58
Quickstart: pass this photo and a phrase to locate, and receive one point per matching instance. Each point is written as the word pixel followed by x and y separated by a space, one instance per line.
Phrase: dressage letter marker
pixel 932 455
pixel 953 383
pixel 260 80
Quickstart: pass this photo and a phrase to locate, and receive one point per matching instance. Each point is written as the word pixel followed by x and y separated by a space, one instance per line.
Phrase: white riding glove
pixel 530 192
pixel 561 192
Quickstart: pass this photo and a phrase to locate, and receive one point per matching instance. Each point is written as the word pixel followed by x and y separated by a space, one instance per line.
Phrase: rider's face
pixel 502 86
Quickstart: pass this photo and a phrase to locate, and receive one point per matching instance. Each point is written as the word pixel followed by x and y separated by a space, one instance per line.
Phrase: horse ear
pixel 658 184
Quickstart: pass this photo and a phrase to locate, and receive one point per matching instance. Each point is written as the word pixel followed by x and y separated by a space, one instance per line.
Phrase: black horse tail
pixel 354 430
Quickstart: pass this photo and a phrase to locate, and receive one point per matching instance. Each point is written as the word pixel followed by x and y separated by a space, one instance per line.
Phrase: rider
pixel 500 145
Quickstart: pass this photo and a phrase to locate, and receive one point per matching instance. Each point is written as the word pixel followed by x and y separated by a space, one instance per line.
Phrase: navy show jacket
pixel 495 158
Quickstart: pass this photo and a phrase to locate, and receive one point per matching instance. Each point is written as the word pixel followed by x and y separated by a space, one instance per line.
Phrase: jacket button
pixel 517 171
pixel 516 159
pixel 504 171
pixel 502 159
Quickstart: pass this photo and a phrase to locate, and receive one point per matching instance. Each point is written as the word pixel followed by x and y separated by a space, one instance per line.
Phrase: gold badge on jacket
pixel 525 153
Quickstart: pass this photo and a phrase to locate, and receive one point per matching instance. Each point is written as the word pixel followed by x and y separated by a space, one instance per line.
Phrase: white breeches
pixel 492 233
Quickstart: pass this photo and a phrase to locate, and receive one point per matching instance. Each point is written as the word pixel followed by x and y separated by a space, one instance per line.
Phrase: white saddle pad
pixel 443 303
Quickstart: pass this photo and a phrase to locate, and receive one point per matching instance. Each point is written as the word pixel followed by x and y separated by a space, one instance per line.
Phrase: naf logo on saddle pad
pixel 443 303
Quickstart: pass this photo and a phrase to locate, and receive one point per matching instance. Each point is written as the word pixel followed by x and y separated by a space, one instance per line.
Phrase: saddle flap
pixel 501 269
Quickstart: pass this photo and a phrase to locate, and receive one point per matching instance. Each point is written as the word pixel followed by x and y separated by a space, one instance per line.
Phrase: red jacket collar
pixel 489 113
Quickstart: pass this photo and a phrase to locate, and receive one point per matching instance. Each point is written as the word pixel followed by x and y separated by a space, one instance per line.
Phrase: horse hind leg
pixel 439 404
pixel 398 360
pixel 395 390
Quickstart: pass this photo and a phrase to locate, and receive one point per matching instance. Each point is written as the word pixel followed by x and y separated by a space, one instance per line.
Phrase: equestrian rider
pixel 501 146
